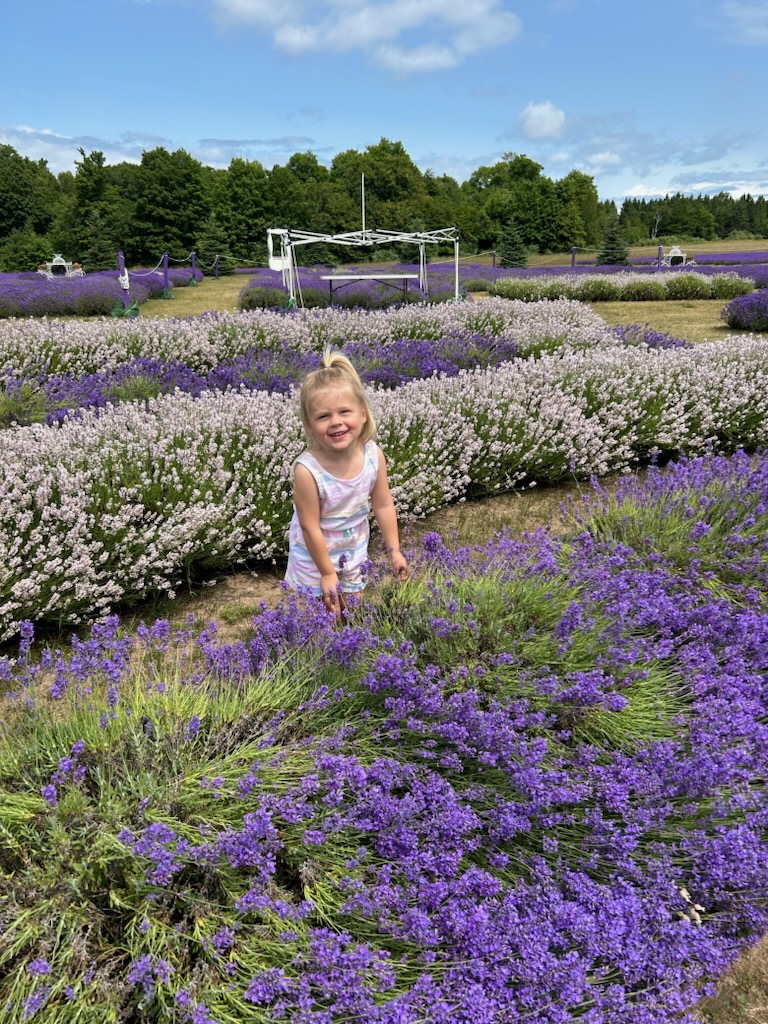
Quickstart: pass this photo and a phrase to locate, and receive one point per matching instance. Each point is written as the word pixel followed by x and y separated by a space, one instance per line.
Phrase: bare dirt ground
pixel 233 597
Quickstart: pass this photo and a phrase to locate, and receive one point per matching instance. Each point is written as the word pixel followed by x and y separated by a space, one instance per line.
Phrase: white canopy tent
pixel 282 244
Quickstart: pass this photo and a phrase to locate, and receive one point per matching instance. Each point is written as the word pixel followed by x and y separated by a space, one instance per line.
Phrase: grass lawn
pixel 209 295
pixel 691 319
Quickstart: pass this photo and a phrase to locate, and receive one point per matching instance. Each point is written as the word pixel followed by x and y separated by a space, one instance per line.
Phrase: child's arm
pixel 307 502
pixel 386 519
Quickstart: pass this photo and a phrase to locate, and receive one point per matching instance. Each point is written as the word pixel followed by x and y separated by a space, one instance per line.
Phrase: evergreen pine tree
pixel 511 250
pixel 212 242
pixel 614 249
pixel 99 242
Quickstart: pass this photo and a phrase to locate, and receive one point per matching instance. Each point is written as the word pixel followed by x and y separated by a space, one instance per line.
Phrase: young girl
pixel 335 483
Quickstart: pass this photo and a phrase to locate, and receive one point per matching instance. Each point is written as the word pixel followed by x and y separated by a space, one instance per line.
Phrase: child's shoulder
pixel 307 460
pixel 372 452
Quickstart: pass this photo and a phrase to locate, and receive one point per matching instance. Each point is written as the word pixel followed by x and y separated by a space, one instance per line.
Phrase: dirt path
pixel 232 598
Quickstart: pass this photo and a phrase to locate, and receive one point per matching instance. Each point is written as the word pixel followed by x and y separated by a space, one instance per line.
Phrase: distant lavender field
pixel 313 290
pixel 95 294
pixel 732 257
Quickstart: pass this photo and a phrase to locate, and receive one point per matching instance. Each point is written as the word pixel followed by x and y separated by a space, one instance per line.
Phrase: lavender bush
pixel 49 399
pixel 98 509
pixel 265 289
pixel 627 285
pixel 748 313
pixel 30 349
pixel 527 785
pixel 732 257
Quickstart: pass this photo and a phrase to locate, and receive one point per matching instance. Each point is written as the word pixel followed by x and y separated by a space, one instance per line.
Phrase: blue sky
pixel 647 97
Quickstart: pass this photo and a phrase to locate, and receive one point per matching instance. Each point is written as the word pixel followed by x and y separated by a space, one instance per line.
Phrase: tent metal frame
pixel 289 240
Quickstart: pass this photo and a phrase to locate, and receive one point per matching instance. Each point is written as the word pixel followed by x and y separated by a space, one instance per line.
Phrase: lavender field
pixel 528 785
pixel 26 295
pixel 94 294
pixel 119 499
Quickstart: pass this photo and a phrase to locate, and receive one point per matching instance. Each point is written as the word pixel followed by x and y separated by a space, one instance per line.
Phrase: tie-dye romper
pixel 344 510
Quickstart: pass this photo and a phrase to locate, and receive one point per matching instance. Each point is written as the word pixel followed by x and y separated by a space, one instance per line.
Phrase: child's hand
pixel 399 565
pixel 332 598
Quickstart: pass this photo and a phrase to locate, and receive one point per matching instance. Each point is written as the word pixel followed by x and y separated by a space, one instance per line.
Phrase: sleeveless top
pixel 344 511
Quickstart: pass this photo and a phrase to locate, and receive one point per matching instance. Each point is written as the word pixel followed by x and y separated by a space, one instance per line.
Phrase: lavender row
pixel 102 508
pixel 527 786
pixel 481 277
pixel 95 294
pixel 626 286
pixel 32 349
pixel 51 399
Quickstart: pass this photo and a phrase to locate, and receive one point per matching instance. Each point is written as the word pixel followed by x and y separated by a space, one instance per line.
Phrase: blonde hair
pixel 336 372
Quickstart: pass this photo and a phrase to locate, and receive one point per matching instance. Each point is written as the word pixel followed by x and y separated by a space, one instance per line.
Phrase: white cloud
pixel 642 190
pixel 542 120
pixel 422 58
pixel 448 31
pixel 601 161
pixel 61 151
pixel 221 152
pixel 749 20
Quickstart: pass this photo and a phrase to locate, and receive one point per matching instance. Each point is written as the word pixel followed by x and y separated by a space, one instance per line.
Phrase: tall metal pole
pixel 123 278
pixel 362 198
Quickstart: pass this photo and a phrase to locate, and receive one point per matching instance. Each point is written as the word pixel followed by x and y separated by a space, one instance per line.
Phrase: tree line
pixel 171 202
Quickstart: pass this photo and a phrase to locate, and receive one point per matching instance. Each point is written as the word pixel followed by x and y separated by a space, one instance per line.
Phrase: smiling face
pixel 336 420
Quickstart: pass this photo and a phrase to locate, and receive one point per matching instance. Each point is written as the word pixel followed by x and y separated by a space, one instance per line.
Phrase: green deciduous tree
pixel 172 202
pixel 23 249
pixel 243 209
pixel 577 195
pixel 29 194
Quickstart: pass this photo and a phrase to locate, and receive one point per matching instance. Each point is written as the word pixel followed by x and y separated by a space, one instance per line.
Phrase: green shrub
pixel 599 289
pixel 730 286
pixel 136 389
pixel 476 284
pixel 649 289
pixel 314 298
pixel 262 298
pixel 554 289
pixel 688 286
pixel 516 288
pixel 23 404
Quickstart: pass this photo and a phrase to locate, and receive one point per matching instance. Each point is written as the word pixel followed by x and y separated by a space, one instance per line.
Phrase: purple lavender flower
pixel 39 967
pixel 35 1001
